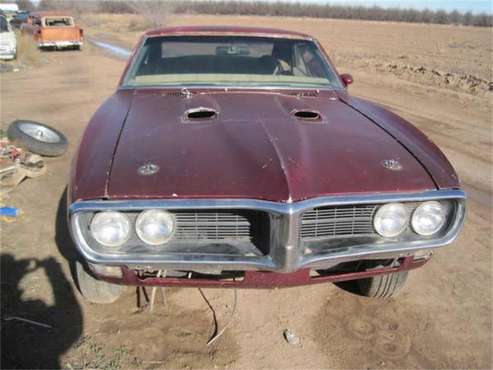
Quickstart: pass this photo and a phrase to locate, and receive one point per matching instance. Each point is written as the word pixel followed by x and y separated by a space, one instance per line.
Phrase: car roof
pixel 226 30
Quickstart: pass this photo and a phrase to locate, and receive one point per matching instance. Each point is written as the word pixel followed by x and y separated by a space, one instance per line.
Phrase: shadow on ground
pixel 28 344
pixel 64 242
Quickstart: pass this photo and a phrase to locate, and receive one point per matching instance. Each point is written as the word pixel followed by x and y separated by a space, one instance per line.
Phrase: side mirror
pixel 347 79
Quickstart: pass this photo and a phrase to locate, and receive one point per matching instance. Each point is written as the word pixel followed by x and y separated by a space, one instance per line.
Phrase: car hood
pixel 256 148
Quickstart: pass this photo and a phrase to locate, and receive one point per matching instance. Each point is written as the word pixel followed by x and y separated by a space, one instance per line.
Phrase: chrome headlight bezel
pixel 391 212
pixel 135 253
pixel 119 221
pixel 168 221
pixel 432 210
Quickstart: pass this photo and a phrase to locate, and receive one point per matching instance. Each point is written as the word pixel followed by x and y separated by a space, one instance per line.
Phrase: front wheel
pixel 95 290
pixel 382 286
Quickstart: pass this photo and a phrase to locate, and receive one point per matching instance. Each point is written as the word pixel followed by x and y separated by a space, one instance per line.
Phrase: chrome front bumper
pixel 286 252
pixel 7 53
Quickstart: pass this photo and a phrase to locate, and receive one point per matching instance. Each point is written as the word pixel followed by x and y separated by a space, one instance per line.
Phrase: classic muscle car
pixel 235 157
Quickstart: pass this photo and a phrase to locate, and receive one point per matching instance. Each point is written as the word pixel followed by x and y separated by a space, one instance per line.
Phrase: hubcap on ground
pixel 40 133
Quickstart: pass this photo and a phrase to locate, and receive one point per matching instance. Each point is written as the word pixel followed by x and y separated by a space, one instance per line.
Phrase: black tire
pixel 383 286
pixel 53 144
pixel 95 290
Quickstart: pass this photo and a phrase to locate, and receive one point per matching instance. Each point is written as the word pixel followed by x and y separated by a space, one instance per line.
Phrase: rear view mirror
pixel 233 50
pixel 347 79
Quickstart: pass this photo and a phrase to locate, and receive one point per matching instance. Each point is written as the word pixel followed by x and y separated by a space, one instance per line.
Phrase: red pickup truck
pixel 54 30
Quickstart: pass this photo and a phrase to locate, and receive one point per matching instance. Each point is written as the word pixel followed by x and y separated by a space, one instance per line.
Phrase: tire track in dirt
pixel 395 333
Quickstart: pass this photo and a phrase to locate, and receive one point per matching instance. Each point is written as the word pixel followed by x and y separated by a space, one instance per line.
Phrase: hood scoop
pixel 307 115
pixel 200 114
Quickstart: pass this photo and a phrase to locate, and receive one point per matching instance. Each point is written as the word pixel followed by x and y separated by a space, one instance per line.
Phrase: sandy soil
pixel 443 318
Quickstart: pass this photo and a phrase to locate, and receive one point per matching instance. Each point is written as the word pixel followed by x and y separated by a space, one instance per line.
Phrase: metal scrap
pixel 16 165
pixel 17 318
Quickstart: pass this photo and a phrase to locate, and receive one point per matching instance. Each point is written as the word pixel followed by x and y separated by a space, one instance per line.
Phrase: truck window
pixel 59 22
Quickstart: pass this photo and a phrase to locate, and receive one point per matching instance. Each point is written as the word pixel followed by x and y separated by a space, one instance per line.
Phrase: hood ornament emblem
pixel 148 169
pixel 392 164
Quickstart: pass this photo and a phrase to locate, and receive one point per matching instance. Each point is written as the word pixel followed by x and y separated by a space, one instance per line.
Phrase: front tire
pixel 95 290
pixel 383 286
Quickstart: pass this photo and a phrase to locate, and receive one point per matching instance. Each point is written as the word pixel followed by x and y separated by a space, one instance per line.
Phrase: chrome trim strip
pixel 286 253
pixel 236 88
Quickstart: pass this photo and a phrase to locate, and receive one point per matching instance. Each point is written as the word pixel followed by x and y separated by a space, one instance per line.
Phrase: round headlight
pixel 428 218
pixel 155 226
pixel 391 219
pixel 111 229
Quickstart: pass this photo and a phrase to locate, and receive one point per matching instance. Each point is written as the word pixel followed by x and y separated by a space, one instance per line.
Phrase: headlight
pixel 428 218
pixel 391 219
pixel 111 229
pixel 155 227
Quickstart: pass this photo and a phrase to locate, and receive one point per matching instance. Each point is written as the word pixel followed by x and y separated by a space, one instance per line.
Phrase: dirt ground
pixel 442 319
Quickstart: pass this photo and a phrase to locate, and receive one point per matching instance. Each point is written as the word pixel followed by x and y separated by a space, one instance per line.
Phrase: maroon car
pixel 235 157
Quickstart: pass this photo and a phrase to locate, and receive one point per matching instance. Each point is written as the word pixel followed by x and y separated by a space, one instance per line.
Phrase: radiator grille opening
pixel 337 221
pixel 213 225
pixel 223 226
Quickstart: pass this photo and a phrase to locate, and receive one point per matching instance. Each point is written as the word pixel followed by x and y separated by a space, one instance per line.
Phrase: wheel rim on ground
pixel 38 132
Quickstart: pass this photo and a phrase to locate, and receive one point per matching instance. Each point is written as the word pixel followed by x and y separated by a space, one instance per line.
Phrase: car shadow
pixel 34 333
pixel 63 240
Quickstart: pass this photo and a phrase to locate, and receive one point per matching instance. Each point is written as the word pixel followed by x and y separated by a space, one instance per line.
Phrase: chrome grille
pixel 213 226
pixel 337 221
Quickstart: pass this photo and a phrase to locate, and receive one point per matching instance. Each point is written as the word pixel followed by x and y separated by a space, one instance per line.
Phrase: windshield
pixel 4 25
pixel 22 16
pixel 230 60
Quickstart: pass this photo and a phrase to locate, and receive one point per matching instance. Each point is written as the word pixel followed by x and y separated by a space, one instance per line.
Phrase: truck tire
pixel 38 138
pixel 95 290
pixel 382 286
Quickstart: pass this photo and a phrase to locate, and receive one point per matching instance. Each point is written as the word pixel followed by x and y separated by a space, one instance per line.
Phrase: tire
pixel 38 138
pixel 95 290
pixel 382 286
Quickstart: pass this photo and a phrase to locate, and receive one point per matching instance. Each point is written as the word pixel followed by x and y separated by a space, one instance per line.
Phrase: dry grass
pixel 140 24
